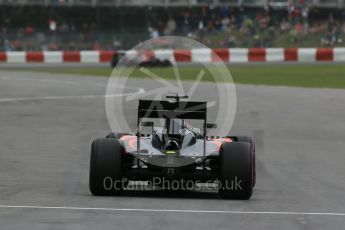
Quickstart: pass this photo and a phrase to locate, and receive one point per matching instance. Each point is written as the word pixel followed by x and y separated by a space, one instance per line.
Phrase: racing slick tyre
pixel 116 135
pixel 236 171
pixel 166 63
pixel 106 167
pixel 252 142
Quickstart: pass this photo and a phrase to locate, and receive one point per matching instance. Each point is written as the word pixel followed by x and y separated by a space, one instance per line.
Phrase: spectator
pixel 186 23
pixel 7 45
pixel 52 25
pixel 64 28
pixel 305 13
pixel 224 11
pixel 285 25
pixel 170 27
pixel 225 23
pixel 29 30
pixel 160 27
pixel 299 28
pixel 153 32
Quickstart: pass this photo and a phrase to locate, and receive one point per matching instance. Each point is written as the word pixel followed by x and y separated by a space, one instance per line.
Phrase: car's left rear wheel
pixel 106 167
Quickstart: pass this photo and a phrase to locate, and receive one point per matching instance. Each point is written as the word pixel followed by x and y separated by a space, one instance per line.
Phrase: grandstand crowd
pixel 94 28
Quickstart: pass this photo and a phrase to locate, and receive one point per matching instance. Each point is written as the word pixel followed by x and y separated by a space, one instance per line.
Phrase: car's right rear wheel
pixel 250 140
pixel 236 171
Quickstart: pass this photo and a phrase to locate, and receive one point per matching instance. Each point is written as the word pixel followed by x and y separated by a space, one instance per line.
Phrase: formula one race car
pixel 174 152
pixel 142 59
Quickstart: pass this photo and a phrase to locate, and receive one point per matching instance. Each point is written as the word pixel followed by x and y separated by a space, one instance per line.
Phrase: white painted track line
pixel 60 97
pixel 140 90
pixel 169 210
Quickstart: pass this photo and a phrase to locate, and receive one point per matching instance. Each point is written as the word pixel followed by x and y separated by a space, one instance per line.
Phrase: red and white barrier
pixel 56 57
pixel 232 55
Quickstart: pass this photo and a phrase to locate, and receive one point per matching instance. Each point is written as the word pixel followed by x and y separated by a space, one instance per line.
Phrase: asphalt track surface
pixel 47 123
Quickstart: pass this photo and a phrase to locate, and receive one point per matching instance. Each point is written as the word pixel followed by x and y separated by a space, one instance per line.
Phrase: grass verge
pixel 309 75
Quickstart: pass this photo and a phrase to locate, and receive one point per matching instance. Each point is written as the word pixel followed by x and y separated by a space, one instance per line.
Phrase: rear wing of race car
pixel 166 109
pixel 170 110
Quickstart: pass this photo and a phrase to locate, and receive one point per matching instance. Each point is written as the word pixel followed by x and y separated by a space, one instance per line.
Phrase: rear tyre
pixel 235 171
pixel 252 142
pixel 106 167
